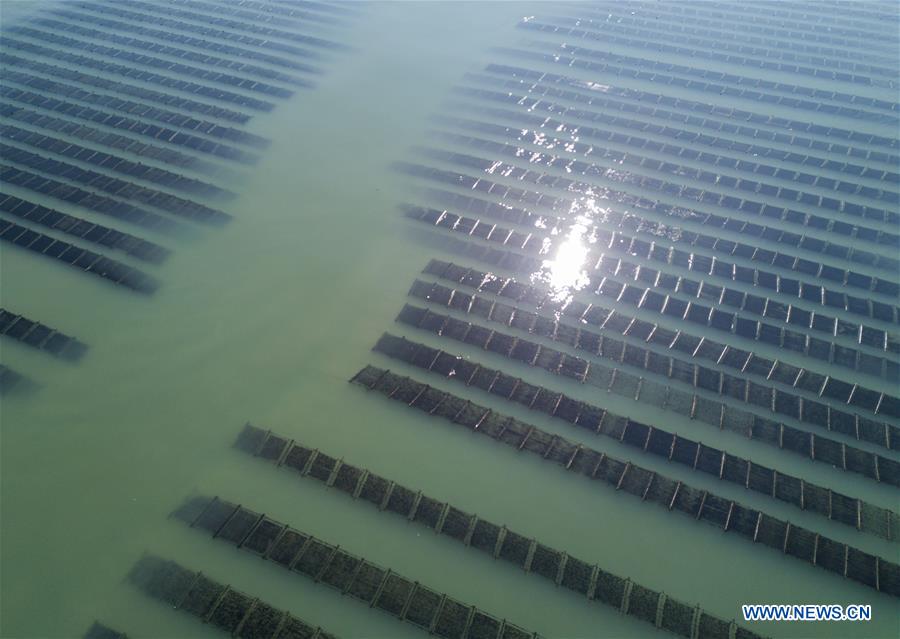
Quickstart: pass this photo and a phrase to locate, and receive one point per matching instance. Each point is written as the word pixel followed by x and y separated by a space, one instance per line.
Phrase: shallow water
pixel 264 320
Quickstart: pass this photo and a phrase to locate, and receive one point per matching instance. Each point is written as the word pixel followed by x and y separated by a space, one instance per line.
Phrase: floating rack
pixel 807 496
pixel 325 563
pixel 40 336
pixel 680 112
pixel 112 162
pixel 648 346
pixel 837 136
pixel 82 259
pixel 812 411
pixel 122 88
pixel 105 138
pixel 159 200
pixel 751 524
pixel 101 204
pixel 696 406
pixel 9 379
pixel 498 541
pixel 96 233
pixel 682 298
pixel 100 631
pixel 777 93
pixel 216 604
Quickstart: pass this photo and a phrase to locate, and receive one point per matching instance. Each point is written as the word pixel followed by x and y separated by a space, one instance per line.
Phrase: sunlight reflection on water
pixel 566 272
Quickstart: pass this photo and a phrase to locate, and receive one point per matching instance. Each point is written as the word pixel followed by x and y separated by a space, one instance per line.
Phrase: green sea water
pixel 264 320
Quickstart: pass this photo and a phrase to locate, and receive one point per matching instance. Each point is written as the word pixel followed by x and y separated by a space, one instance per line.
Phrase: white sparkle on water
pixel 566 272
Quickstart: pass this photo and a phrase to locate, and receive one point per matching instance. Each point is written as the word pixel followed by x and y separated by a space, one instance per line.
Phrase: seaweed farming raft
pixel 77 227
pixel 728 515
pixel 644 236
pixel 100 631
pixel 499 542
pixel 39 336
pixel 638 344
pixel 9 379
pixel 380 588
pixel 82 259
pixel 660 351
pixel 216 604
pixel 649 439
pixel 117 109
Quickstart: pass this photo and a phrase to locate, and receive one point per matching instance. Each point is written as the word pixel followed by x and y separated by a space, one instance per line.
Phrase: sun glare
pixel 566 272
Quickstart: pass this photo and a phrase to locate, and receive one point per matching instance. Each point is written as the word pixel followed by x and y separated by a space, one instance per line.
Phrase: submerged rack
pixel 642 238
pixel 627 283
pixel 819 413
pixel 719 186
pixel 227 609
pixel 40 336
pixel 688 195
pixel 113 163
pixel 89 231
pixel 498 541
pixel 728 515
pixel 717 146
pixel 147 113
pixel 105 138
pixel 159 200
pixel 134 126
pixel 655 388
pixel 523 252
pixel 117 38
pixel 77 257
pixel 169 99
pixel 71 194
pixel 835 152
pixel 587 61
pixel 647 438
pixel 242 52
pixel 379 587
pixel 212 76
pixel 9 379
pixel 778 386
pixel 100 631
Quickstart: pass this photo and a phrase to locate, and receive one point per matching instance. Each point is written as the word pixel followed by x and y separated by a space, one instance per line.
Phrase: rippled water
pixel 264 320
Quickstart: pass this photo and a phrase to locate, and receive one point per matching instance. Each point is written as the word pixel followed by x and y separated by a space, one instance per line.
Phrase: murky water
pixel 264 320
